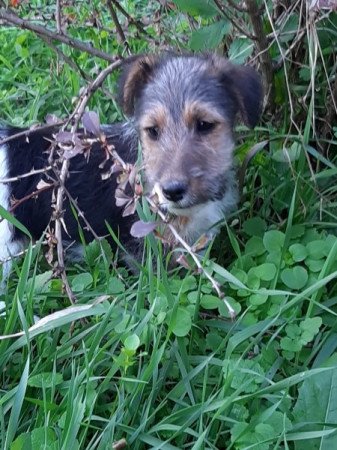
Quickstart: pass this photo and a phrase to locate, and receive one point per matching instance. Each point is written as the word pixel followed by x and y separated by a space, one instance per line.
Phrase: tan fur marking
pixel 195 110
pixel 156 117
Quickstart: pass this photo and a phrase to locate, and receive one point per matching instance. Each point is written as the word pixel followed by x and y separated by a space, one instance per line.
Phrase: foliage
pixel 154 358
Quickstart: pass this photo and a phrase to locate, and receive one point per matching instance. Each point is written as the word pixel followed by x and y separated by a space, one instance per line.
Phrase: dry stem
pixel 194 256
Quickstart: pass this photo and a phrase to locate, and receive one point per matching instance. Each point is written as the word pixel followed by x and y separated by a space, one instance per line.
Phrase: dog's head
pixel 184 109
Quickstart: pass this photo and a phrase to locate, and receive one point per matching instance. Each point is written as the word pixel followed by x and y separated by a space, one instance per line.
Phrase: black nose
pixel 174 190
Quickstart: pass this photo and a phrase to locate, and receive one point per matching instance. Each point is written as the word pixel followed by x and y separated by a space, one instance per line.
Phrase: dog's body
pixel 182 111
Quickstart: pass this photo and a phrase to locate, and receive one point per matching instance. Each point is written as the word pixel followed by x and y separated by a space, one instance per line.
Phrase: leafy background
pixel 154 361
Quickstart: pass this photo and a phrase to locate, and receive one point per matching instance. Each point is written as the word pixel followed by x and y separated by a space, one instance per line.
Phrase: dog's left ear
pixel 246 87
pixel 136 73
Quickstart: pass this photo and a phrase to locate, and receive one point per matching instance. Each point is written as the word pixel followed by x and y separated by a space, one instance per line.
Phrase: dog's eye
pixel 153 132
pixel 204 127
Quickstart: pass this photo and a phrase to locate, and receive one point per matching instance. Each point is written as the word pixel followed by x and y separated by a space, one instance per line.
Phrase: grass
pixel 155 359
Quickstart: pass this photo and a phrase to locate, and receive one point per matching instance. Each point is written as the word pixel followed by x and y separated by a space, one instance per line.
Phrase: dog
pixel 182 110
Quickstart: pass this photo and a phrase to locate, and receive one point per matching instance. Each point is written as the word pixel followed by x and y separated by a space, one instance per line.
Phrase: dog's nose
pixel 174 190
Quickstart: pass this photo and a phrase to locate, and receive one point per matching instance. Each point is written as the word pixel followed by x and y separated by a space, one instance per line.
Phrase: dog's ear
pixel 246 86
pixel 135 75
pixel 249 92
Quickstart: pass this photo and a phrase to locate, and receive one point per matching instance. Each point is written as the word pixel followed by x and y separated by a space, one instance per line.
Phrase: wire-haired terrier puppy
pixel 182 110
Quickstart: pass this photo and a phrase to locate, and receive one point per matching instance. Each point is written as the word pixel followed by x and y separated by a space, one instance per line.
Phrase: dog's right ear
pixel 136 74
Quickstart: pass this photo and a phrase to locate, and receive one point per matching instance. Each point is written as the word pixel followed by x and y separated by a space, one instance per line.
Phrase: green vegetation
pixel 155 359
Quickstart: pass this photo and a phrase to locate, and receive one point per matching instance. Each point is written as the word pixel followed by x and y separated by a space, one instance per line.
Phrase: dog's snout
pixel 174 190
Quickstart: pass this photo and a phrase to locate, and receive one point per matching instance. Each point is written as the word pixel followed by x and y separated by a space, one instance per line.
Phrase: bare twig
pixel 193 255
pixel 72 64
pixel 26 133
pixel 62 175
pixel 262 45
pixel 82 215
pixel 120 33
pixel 18 202
pixel 135 22
pixel 58 16
pixel 10 17
pixel 231 18
pixel 25 175
pixel 234 5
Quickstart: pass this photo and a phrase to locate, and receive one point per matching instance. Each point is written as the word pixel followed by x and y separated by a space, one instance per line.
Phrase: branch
pixel 58 16
pixel 25 175
pixel 262 45
pixel 26 133
pixel 63 174
pixel 18 202
pixel 135 22
pixel 194 256
pixel 12 18
pixel 224 10
pixel 119 29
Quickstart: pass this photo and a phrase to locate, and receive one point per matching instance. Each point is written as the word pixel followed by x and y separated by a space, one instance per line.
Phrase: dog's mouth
pixel 184 207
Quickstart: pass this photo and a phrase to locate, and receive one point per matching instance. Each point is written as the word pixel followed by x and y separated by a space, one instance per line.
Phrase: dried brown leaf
pixel 64 137
pixel 202 243
pixel 43 184
pixel 51 119
pixel 130 209
pixel 182 260
pixel 141 229
pixel 91 123
pixel 73 151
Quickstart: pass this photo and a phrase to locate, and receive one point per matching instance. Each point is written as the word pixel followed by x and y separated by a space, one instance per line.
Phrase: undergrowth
pixel 154 358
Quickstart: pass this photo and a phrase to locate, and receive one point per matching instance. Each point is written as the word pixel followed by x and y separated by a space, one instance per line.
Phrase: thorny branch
pixel 63 172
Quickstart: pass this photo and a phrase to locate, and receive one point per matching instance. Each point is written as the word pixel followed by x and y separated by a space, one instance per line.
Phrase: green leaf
pixel 298 252
pixel 258 299
pixel 223 310
pixel 209 37
pixel 45 379
pixel 247 373
pixel 255 247
pixel 210 301
pixel 182 322
pixel 266 271
pixel 290 28
pixel 203 8
pixel 316 404
pixel 81 281
pixel 273 241
pixel 316 249
pixel 44 438
pixel 310 327
pixel 132 342
pixel 315 265
pixel 115 286
pixel 189 283
pixel 240 50
pixel 286 155
pixel 254 227
pixel 290 345
pixel 22 442
pixel 295 277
